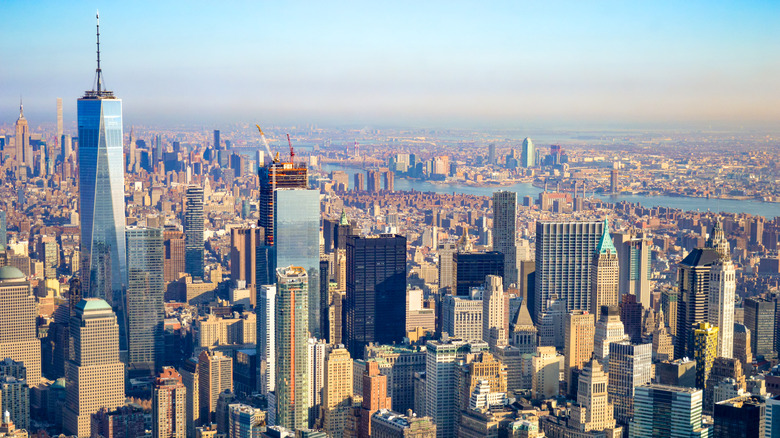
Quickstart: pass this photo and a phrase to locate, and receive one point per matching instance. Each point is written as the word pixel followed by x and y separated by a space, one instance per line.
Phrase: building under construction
pixel 277 176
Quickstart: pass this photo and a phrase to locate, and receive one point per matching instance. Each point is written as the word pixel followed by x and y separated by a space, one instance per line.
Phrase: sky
pixel 444 64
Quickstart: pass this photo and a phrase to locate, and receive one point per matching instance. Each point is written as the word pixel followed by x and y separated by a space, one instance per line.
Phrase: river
pixel 766 209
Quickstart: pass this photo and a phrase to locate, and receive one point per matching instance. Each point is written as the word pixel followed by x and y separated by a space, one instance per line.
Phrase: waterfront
pixel 766 209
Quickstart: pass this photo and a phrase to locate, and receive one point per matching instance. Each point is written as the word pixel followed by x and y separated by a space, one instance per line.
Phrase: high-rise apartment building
pixel 169 405
pixel 244 243
pixel 404 362
pixel 447 252
pixel 215 375
pixel 604 274
pixel 528 154
pixel 194 219
pixel 375 396
pixel 174 262
pixel 609 329
pixel 629 367
pixel 15 400
pixel 564 250
pixel 723 287
pixel 505 232
pixel 375 307
pixel 580 332
pixel 18 313
pixel 102 198
pixel 95 376
pixel 495 312
pixel 667 411
pixel 633 251
pixel 292 334
pixel 266 337
pixel 145 291
pixel 693 282
pixel 337 391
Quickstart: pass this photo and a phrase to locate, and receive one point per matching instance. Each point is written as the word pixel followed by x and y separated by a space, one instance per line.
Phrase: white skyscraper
pixel 722 289
pixel 266 340
pixel 495 308
pixel 609 329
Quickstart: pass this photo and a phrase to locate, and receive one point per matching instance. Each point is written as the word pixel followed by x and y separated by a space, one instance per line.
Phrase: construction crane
pixel 292 152
pixel 267 148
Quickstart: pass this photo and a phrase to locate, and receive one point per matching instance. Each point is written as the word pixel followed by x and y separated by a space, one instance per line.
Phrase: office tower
pixel 772 418
pixel 272 177
pixel 528 154
pixel 359 181
pixel 492 153
pixel 471 269
pixel 193 232
pixel 446 251
pixel 742 346
pixel 316 371
pixel 705 342
pixel 604 274
pixel 15 400
pixel 663 345
pixel 667 411
pixel 145 303
pixel 389 181
pixel 722 288
pixel 608 329
pixel 523 334
pixel 169 405
pixel 693 280
pixel 564 250
pixel 95 376
pixel 614 181
pixel 633 250
pixel 375 308
pixel 66 145
pixel 48 252
pixel 337 391
pixel 217 144
pixel 59 117
pixel 174 262
pixel 244 243
pixel 3 232
pixel 723 370
pixel 404 363
pixel 390 424
pixel 440 384
pixel 215 375
pixel 629 367
pixel 741 416
pixel 131 154
pixel 481 368
pixel 190 377
pixel 495 312
pixel 631 316
pixel 23 153
pixel 245 421
pixel 546 373
pixel 593 410
pixel 297 242
pixel 462 317
pixel 580 332
pixel 292 334
pixel 552 327
pixel 505 232
pixel 760 320
pixel 374 396
pixel 266 337
pixel 101 199
pixel 18 313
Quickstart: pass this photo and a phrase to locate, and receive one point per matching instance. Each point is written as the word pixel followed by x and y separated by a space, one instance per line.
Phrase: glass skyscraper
pixel 101 199
pixel 193 232
pixel 145 298
pixel 297 241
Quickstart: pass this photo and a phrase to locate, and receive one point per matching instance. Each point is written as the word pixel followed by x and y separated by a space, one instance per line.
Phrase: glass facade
pixel 297 241
pixel 101 203
pixel 145 301
pixel 193 233
pixel 292 349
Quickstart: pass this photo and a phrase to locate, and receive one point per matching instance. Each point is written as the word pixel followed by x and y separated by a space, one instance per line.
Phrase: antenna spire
pixel 21 108
pixel 98 72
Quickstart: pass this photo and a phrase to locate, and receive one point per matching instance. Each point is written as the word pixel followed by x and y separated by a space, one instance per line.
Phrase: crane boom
pixel 292 152
pixel 267 148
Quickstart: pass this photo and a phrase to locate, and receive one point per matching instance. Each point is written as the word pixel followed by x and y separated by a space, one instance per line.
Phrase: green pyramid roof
pixel 605 244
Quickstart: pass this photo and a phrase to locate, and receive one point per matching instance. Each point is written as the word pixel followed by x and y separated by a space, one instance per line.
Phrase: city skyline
pixel 507 66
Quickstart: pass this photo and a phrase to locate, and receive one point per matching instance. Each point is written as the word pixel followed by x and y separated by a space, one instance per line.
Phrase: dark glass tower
pixel 193 232
pixel 375 304
pixel 472 268
pixel 101 198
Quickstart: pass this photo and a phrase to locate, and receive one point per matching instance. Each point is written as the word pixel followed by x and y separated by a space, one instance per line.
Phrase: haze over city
pixel 503 65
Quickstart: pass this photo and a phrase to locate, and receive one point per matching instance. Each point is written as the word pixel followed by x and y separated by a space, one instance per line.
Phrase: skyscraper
pixel 95 376
pixel 217 143
pixel 633 250
pixel 629 367
pixel 723 286
pixel 375 396
pixel 495 312
pixel 693 280
pixel 174 263
pixel 272 177
pixel 215 375
pixel 18 312
pixel 447 252
pixel 593 410
pixel 667 411
pixel 375 305
pixel 471 269
pixel 604 274
pixel 145 303
pixel 580 331
pixel 193 232
pixel 705 344
pixel 564 250
pixel 528 154
pixel 505 232
pixel 338 390
pixel 292 334
pixel 760 320
pixel 3 232
pixel 266 337
pixel 244 243
pixel 169 405
pixel 609 329
pixel 102 198
pixel 23 152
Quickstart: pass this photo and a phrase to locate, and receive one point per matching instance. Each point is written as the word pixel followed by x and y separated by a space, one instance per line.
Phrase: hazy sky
pixel 505 64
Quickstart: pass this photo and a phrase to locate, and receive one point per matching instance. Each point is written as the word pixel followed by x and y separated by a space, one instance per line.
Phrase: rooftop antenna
pixel 98 72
